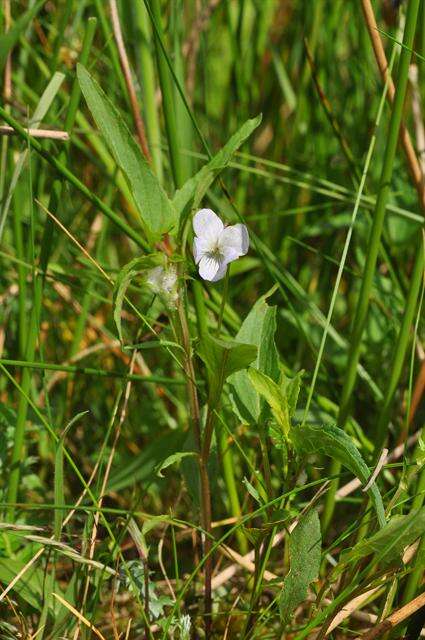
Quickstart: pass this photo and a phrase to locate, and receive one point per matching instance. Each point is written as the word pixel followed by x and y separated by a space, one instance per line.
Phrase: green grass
pixel 151 438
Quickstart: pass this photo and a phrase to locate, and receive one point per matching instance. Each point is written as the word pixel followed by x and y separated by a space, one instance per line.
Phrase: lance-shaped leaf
pixel 335 443
pixel 195 188
pixel 30 587
pixel 258 328
pixel 222 358
pixel 281 398
pixel 156 210
pixel 304 550
pixel 274 396
pixel 175 457
pixel 388 544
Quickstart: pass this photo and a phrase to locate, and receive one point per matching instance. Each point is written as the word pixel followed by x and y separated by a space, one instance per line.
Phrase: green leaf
pixel 134 268
pixel 30 587
pixel 258 328
pixel 195 188
pixel 175 457
pixel 252 491
pixel 389 542
pixel 222 358
pixel 304 550
pixel 274 396
pixel 254 535
pixel 291 388
pixel 335 443
pixel 156 210
pixel 9 39
pixel 59 484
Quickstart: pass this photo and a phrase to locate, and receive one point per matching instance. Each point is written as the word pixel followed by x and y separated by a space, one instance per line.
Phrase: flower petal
pixel 234 239
pixel 208 226
pixel 229 254
pixel 200 248
pixel 221 271
pixel 208 267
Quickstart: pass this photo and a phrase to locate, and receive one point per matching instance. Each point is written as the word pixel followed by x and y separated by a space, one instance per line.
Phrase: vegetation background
pixel 119 518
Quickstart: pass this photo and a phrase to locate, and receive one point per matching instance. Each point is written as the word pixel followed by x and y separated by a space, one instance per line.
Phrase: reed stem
pixel 363 301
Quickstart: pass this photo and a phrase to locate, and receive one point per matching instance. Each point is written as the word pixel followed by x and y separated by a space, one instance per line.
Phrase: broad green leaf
pixel 9 39
pixel 282 398
pixel 258 328
pixel 274 396
pixel 389 542
pixel 195 188
pixel 30 587
pixel 156 210
pixel 222 358
pixel 335 443
pixel 175 457
pixel 130 271
pixel 304 550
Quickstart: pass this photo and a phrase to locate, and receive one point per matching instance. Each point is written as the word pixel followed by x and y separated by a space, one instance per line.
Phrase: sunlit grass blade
pixel 359 320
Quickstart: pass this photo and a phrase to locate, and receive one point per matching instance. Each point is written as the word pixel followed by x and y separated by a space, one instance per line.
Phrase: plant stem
pixel 201 313
pixel 146 71
pixel 226 453
pixel 362 307
pixel 223 300
pixel 110 43
pixel 400 348
pixel 179 177
pixel 345 249
pixel 231 487
pixel 202 459
pixel 385 71
pixel 22 283
pixel 167 98
pixel 261 561
pixel 262 433
pixel 415 576
pixel 125 65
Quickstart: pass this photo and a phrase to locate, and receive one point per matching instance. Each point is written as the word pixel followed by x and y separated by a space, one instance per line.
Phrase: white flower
pixel 185 625
pixel 164 282
pixel 215 245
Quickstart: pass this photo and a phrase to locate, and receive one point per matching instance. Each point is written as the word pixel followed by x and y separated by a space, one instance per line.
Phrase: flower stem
pixel 202 458
pixel 223 300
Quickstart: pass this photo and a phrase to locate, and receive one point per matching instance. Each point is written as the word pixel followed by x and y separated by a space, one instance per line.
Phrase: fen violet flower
pixel 215 245
pixel 163 281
